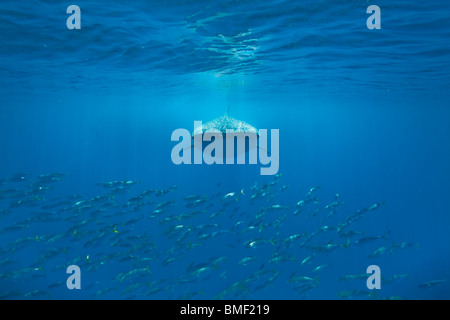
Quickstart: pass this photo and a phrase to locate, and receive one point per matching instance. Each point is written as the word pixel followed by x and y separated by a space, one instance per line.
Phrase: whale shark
pixel 224 126
pixel 224 123
pixel 226 140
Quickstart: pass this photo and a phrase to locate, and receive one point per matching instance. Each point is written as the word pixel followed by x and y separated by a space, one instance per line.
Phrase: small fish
pixel 229 195
pixel 381 251
pixel 365 240
pixel 404 244
pixel 245 261
pixel 37 293
pixel 431 284
pixel 304 287
pixel 351 294
pixel 310 192
pixel 146 193
pixel 102 292
pixel 161 192
pixel 394 278
pixel 375 206
pixel 329 247
pixel 326 228
pixel 52 177
pixel 307 259
pixel 164 204
pixel 206 226
pixel 322 266
pixel 302 279
pixel 276 207
pixel 195 203
pixel 293 237
pixel 280 221
pixel 257 243
pixel 350 233
pixel 332 205
pixel 361 276
pixel 194 198
pixel 132 273
pixel 277 258
pixel 169 260
pixel 14 228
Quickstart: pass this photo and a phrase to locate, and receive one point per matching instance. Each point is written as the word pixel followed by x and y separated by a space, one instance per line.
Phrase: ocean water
pixel 87 179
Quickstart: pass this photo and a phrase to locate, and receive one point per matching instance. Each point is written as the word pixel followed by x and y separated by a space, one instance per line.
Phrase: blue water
pixel 362 114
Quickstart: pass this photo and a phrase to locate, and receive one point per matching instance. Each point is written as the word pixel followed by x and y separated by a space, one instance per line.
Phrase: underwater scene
pixel 224 150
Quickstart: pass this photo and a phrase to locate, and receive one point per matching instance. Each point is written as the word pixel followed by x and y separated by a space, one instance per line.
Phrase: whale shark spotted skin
pixel 223 123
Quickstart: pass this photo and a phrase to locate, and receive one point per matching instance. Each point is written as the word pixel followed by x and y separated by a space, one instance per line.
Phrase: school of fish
pixel 133 242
